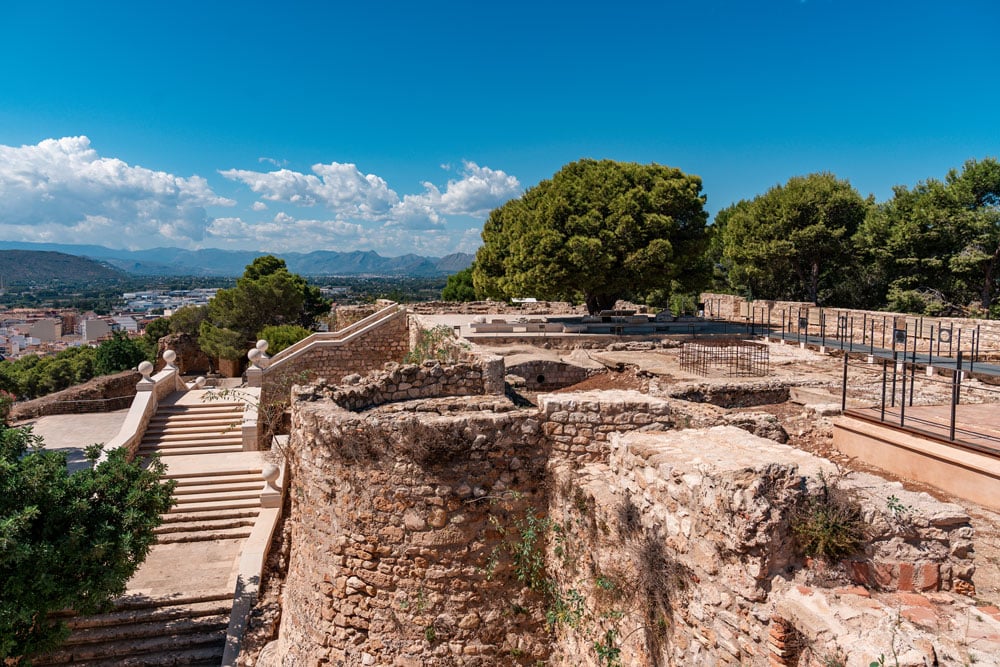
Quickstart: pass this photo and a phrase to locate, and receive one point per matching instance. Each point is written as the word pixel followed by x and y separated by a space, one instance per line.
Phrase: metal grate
pixel 732 356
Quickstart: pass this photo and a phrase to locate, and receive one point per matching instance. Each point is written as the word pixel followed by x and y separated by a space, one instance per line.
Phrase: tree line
pixel 602 230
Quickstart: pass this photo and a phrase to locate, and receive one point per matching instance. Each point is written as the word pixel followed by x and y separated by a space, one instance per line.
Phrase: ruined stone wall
pixel 680 548
pixel 580 425
pixel 190 358
pixel 101 394
pixel 544 374
pixel 427 380
pixel 342 317
pixel 466 532
pixel 393 532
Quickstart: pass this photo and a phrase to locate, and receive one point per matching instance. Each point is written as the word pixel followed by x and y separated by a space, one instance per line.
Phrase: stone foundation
pixel 463 531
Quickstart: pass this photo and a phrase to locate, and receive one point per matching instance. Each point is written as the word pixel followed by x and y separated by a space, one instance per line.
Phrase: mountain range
pixel 210 262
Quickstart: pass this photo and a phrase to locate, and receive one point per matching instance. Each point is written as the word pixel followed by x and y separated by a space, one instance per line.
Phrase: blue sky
pixel 397 126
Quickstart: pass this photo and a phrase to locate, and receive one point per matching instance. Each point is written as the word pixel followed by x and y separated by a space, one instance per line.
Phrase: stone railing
pixel 253 556
pixel 345 339
pixel 150 390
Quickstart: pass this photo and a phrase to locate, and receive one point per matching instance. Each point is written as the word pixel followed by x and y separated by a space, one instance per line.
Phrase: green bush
pixel 828 524
pixel 68 541
pixel 282 336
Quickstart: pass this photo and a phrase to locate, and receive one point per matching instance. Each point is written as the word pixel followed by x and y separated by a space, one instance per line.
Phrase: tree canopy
pixel 793 241
pixel 459 287
pixel 938 244
pixel 266 295
pixel 596 231
pixel 68 541
pixel 118 353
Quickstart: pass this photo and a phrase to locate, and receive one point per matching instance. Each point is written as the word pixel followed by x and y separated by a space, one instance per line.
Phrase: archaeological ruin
pixel 594 506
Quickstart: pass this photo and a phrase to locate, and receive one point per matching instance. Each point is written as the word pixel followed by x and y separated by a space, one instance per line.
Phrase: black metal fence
pixel 929 403
pixel 734 356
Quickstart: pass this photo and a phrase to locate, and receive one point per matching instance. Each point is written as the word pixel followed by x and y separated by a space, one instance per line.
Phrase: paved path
pixel 73 433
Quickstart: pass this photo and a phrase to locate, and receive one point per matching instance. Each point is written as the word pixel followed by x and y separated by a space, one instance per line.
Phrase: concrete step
pixel 215 505
pixel 194 427
pixel 224 477
pixel 194 476
pixel 137 601
pixel 219 485
pixel 221 495
pixel 211 436
pixel 185 449
pixel 199 407
pixel 137 649
pixel 199 534
pixel 169 612
pixel 209 656
pixel 196 522
pixel 220 517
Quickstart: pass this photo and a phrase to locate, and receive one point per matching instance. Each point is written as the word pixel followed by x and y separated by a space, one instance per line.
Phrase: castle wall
pixel 393 532
pixel 465 532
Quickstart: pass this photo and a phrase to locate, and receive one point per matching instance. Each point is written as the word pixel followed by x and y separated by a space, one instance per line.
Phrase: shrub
pixel 828 524
pixel 68 541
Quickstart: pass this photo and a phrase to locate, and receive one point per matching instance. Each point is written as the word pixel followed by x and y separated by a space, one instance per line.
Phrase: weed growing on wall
pixel 524 543
pixel 436 343
pixel 828 524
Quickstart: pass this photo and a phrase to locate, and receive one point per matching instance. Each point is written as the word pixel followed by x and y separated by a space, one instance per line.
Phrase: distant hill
pixel 33 266
pixel 209 262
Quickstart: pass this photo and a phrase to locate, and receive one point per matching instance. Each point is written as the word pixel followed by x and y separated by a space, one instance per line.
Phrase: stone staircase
pixel 206 428
pixel 177 608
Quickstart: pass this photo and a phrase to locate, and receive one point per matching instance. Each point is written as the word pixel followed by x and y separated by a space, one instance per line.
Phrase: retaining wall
pixel 101 394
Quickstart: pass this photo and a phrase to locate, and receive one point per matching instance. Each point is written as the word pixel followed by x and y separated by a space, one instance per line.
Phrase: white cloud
pixel 342 188
pixel 349 193
pixel 62 190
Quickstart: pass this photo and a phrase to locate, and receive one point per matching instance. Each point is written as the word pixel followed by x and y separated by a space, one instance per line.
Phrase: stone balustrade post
pixel 146 383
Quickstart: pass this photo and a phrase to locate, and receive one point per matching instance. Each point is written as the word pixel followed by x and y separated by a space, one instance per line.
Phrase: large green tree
pixel 793 241
pixel 68 541
pixel 938 244
pixel 596 231
pixel 266 295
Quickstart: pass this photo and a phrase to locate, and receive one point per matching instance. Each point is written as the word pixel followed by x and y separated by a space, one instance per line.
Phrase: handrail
pixel 252 560
pixel 255 373
pixel 335 335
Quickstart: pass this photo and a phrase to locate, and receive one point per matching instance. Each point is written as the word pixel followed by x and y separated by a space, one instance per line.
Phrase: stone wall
pixel 394 528
pixel 342 317
pixel 101 394
pixel 864 327
pixel 545 375
pixel 190 358
pixel 411 381
pixel 460 531
pixel 580 425
pixel 356 354
pixel 680 547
